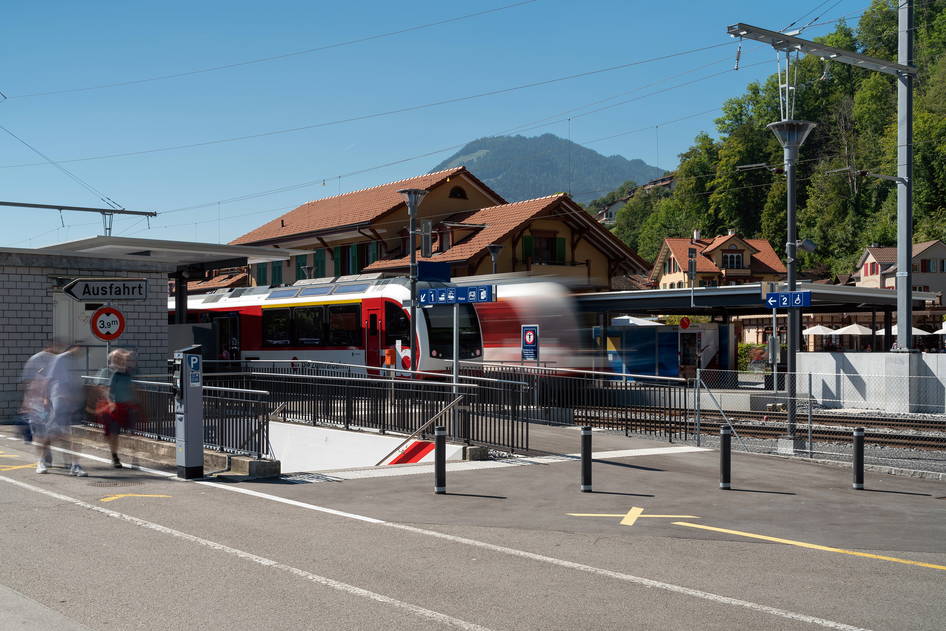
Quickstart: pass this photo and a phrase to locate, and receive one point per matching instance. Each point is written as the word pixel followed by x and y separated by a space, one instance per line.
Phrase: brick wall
pixel 28 281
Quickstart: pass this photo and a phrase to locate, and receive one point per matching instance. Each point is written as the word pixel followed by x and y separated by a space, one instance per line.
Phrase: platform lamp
pixel 414 196
pixel 494 250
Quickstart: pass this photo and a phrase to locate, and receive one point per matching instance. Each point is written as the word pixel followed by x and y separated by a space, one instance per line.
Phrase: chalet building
pixel 724 260
pixel 367 231
pixel 877 267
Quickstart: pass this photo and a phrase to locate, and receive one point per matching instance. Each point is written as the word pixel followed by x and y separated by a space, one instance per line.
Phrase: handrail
pixel 423 427
pixel 444 384
pixel 240 390
pixel 577 370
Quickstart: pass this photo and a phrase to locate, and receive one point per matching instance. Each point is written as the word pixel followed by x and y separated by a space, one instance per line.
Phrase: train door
pixel 373 315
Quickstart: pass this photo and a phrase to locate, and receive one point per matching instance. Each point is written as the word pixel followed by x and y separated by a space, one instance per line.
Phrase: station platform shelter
pixel 643 346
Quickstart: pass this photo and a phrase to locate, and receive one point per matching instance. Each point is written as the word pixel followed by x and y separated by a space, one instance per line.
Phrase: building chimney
pixel 696 235
pixel 732 231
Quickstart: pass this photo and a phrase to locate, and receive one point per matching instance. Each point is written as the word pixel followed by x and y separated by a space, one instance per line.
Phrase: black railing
pixel 236 421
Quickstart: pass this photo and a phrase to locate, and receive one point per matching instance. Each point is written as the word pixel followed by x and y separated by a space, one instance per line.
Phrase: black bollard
pixel 586 459
pixel 858 458
pixel 725 459
pixel 440 460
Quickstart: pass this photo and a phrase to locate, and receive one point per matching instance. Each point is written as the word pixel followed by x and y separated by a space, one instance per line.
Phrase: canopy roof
pixel 819 330
pixel 854 329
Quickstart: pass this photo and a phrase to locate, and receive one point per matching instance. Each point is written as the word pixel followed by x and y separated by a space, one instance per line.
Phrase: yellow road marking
pixel 112 498
pixel 630 517
pixel 813 546
pixel 8 456
pixel 11 467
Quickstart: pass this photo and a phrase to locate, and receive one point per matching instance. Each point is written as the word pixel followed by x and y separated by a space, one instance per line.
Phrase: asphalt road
pixel 513 547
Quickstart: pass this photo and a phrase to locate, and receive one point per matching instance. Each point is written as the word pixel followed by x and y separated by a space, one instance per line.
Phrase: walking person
pixel 35 381
pixel 66 398
pixel 119 404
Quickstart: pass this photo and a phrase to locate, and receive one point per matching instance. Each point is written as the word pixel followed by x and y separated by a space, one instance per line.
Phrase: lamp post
pixel 414 197
pixel 494 250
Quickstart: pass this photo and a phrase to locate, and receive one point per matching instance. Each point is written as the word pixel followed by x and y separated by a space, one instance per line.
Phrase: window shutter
pixel 261 273
pixel 277 273
pixel 372 252
pixel 337 260
pixel 318 263
pixel 353 267
pixel 527 247
pixel 560 250
pixel 301 261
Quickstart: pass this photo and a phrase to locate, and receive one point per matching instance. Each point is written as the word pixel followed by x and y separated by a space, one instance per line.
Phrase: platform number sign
pixel 107 323
pixel 530 342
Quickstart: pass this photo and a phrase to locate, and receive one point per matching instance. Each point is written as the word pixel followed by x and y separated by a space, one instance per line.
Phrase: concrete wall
pixel 888 382
pixel 31 282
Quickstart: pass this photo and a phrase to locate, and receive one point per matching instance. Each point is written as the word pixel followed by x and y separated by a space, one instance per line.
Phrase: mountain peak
pixel 521 167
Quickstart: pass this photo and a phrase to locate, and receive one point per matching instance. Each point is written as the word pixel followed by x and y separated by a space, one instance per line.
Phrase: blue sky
pixel 65 47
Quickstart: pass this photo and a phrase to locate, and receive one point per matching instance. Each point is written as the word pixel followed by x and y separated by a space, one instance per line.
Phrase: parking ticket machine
pixel 187 383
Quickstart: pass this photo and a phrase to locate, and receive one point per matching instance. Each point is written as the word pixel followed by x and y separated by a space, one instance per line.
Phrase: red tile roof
pixel 889 255
pixel 502 221
pixel 763 261
pixel 357 207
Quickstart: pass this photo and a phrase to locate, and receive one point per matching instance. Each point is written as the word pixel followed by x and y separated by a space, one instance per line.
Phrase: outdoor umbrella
pixel 893 331
pixel 819 330
pixel 632 321
pixel 854 329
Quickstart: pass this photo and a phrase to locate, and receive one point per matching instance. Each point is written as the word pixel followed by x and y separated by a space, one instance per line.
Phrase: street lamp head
pixel 414 195
pixel 494 249
pixel 808 245
pixel 791 134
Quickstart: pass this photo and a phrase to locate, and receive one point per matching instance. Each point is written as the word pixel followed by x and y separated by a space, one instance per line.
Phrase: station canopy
pixel 744 300
pixel 192 256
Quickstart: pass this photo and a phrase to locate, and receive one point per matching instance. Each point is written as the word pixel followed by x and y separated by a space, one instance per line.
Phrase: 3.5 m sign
pixel 107 289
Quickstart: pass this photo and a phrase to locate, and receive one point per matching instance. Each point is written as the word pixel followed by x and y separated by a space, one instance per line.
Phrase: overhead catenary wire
pixel 271 58
pixel 402 110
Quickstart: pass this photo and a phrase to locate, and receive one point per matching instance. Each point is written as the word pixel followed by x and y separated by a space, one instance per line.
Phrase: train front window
pixel 397 326
pixel 276 324
pixel 440 331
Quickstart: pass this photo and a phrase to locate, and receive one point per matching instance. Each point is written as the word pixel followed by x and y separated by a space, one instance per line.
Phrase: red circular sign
pixel 530 337
pixel 107 323
pixel 684 322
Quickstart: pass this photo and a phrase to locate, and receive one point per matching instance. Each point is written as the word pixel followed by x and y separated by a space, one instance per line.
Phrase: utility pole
pixel 107 213
pixel 905 179
pixel 414 197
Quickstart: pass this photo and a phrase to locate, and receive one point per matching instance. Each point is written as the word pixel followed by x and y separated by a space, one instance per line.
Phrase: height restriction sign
pixel 107 323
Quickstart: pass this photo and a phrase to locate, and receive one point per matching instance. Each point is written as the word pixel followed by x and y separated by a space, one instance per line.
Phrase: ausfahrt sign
pixel 107 289
pixel 107 323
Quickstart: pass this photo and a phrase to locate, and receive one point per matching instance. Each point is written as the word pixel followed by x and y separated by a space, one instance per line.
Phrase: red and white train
pixel 358 320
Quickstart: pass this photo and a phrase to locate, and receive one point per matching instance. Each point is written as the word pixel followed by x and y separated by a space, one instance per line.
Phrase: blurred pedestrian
pixel 119 404
pixel 35 380
pixel 66 401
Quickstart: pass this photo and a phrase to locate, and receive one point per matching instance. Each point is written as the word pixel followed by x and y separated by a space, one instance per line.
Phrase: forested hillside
pixel 856 114
pixel 518 167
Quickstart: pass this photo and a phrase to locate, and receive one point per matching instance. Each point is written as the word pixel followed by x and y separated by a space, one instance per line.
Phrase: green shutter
pixel 353 267
pixel 277 273
pixel 337 259
pixel 261 273
pixel 318 263
pixel 527 247
pixel 301 261
pixel 560 250
pixel 372 252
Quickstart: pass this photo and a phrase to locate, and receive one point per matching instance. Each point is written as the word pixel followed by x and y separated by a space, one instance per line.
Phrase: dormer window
pixel 732 260
pixel 457 192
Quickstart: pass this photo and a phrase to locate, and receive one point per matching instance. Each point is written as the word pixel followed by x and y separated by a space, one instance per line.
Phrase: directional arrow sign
pixel 772 300
pixel 107 289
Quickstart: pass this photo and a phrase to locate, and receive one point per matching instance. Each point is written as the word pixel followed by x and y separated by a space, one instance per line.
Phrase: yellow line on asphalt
pixel 11 467
pixel 8 456
pixel 112 498
pixel 632 515
pixel 812 546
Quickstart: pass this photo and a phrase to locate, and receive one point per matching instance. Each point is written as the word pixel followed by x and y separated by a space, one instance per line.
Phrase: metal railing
pixel 236 420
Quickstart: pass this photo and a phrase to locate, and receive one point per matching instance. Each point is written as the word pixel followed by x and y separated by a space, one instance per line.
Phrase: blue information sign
pixel 453 295
pixel 788 299
pixel 530 342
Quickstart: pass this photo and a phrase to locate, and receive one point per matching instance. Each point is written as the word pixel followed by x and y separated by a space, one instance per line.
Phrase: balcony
pixel 735 272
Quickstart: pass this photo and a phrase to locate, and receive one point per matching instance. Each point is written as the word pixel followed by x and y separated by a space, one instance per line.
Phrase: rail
pixel 598 373
pixel 421 429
